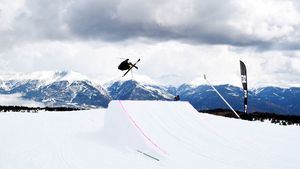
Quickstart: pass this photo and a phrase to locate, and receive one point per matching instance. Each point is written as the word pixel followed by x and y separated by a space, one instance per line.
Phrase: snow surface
pixel 171 131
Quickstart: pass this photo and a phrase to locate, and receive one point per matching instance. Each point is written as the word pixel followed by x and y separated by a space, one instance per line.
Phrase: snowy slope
pixel 55 88
pixel 266 99
pixel 191 140
pixel 44 77
pixel 137 90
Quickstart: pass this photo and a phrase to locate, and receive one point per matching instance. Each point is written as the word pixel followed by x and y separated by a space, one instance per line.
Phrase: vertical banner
pixel 244 83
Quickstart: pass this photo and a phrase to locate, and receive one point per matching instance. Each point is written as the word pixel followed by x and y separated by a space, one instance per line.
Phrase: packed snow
pixel 143 134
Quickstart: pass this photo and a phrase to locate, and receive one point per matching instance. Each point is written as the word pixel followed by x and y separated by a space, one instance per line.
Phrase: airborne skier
pixel 126 65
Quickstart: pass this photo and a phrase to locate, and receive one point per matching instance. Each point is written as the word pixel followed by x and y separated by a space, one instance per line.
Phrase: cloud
pixel 159 20
pixel 25 21
pixel 179 39
pixel 167 62
pixel 262 24
pixel 265 25
pixel 16 100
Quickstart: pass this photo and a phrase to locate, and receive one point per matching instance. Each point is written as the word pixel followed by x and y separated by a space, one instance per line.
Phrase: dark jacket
pixel 125 65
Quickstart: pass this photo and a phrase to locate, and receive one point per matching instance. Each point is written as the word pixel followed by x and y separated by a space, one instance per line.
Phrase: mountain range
pixel 71 89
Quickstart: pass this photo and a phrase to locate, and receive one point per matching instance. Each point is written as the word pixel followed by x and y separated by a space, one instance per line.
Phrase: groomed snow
pixel 84 139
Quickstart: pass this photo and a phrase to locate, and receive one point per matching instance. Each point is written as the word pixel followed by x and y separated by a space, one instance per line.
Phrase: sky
pixel 177 40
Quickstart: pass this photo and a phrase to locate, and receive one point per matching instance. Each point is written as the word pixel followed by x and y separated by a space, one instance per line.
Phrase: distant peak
pixel 138 78
pixel 61 73
pixel 45 76
pixel 141 79
pixel 197 82
pixel 69 76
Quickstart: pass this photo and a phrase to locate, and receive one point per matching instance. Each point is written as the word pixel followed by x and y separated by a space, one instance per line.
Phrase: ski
pixel 133 66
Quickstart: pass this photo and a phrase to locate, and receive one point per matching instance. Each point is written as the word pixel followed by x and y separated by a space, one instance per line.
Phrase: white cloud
pixel 15 99
pixel 267 20
pixel 8 11
pixel 261 24
pixel 159 61
pixel 175 39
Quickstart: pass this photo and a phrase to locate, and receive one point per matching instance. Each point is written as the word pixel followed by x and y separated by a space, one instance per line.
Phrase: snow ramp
pixel 156 128
pixel 177 136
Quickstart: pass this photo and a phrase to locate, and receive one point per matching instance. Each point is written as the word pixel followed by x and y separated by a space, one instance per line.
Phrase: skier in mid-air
pixel 126 65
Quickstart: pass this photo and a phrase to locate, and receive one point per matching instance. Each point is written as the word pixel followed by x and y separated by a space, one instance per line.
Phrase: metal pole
pixel 222 97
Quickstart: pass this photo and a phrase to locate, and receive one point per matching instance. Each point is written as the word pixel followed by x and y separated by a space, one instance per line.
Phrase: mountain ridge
pixel 68 88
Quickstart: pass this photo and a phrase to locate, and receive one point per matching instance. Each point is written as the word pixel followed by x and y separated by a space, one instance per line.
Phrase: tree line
pixel 258 116
pixel 35 109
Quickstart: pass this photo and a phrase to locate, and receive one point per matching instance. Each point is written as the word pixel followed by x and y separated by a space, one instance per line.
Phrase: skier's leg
pixel 132 65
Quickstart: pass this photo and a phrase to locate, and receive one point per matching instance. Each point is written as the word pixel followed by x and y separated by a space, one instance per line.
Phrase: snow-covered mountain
pixel 60 88
pixel 68 88
pixel 44 77
pixel 203 97
pixel 281 100
pixel 265 99
pixel 136 89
